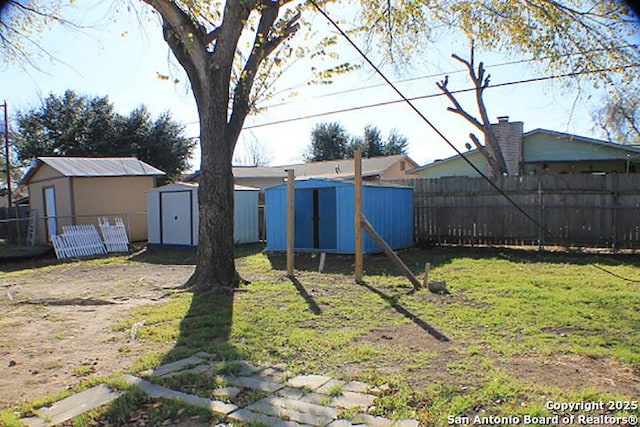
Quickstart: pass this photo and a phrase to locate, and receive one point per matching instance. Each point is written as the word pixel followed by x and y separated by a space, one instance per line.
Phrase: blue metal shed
pixel 324 216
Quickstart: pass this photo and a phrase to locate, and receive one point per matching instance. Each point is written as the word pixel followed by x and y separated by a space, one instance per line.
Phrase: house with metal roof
pixel 78 190
pixel 541 152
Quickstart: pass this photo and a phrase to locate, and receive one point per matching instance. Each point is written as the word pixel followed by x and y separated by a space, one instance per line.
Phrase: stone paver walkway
pixel 283 400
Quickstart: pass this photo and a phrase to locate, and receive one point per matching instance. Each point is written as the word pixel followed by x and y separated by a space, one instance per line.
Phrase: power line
pixel 440 74
pixel 421 97
pixel 433 95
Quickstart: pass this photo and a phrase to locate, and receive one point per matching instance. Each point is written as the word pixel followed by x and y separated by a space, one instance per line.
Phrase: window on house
pixel 402 165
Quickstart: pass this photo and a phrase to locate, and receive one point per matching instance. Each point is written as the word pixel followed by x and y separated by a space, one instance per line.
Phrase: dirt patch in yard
pixel 57 325
pixel 575 372
pixel 566 372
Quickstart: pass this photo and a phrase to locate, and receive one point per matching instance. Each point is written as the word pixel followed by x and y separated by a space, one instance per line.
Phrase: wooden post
pixel 390 253
pixel 290 221
pixel 323 258
pixel 425 279
pixel 7 158
pixel 359 262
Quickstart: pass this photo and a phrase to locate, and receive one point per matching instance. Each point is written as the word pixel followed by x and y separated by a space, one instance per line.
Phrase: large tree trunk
pixel 215 268
pixel 208 57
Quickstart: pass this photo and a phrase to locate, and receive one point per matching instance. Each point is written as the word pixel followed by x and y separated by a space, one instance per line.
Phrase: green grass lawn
pixel 504 306
pixel 480 351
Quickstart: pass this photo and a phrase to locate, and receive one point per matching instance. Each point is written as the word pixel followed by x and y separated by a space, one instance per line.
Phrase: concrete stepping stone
pixel 246 369
pixel 344 423
pixel 351 400
pixel 254 383
pixel 204 369
pixel 380 390
pixel 330 386
pixel 340 423
pixel 204 355
pixel 406 423
pixel 302 406
pixel 264 407
pixel 227 392
pixel 274 374
pixel 156 391
pixel 246 416
pixel 73 406
pixel 346 400
pixel 356 387
pixel 311 382
pixel 178 365
pixel 317 398
pixel 290 393
pixel 372 421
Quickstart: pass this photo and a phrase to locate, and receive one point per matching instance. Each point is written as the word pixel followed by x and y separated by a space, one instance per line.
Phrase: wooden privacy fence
pixel 574 211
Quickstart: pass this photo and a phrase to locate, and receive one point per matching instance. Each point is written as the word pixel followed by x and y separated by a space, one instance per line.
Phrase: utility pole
pixel 6 151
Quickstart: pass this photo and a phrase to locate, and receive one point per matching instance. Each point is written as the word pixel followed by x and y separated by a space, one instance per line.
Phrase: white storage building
pixel 172 215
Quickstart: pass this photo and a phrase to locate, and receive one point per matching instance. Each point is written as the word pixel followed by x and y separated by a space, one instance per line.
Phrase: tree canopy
pixel 330 141
pixel 80 125
pixel 619 118
pixel 566 35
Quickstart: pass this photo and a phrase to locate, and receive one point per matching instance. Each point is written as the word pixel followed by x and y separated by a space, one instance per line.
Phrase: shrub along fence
pixel 575 210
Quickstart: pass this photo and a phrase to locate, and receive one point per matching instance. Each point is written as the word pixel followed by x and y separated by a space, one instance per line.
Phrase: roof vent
pixel 503 119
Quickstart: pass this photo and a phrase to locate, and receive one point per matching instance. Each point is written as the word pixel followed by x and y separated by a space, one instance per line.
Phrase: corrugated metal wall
pixel 245 216
pixel 390 212
pixel 324 212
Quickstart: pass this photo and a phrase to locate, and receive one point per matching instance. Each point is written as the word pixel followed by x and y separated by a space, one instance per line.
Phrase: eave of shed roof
pixel 94 167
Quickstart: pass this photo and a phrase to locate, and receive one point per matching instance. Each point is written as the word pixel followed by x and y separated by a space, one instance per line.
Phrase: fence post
pixel 541 230
pixel 614 221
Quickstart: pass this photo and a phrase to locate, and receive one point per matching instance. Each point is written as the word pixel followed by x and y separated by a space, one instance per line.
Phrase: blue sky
pixel 121 55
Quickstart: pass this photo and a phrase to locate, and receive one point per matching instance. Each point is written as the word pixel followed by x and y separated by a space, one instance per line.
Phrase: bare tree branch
pixel 264 44
pixel 177 28
pixel 491 150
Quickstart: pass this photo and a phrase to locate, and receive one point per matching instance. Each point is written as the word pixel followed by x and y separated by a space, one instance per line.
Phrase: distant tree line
pixel 330 141
pixel 80 125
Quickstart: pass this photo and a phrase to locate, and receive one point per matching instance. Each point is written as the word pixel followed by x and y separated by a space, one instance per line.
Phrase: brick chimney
pixel 509 136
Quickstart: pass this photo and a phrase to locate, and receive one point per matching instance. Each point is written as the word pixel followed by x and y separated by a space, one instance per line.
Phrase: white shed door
pixel 50 210
pixel 175 218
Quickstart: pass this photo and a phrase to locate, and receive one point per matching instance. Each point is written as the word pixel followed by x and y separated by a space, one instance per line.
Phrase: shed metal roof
pixel 180 186
pixel 94 167
pixel 307 183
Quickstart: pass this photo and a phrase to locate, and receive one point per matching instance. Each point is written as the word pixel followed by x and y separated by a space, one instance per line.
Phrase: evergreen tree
pixel 77 125
pixel 329 141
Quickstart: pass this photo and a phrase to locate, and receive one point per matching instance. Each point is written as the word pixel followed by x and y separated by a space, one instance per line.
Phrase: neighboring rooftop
pixel 552 156
pixel 343 168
